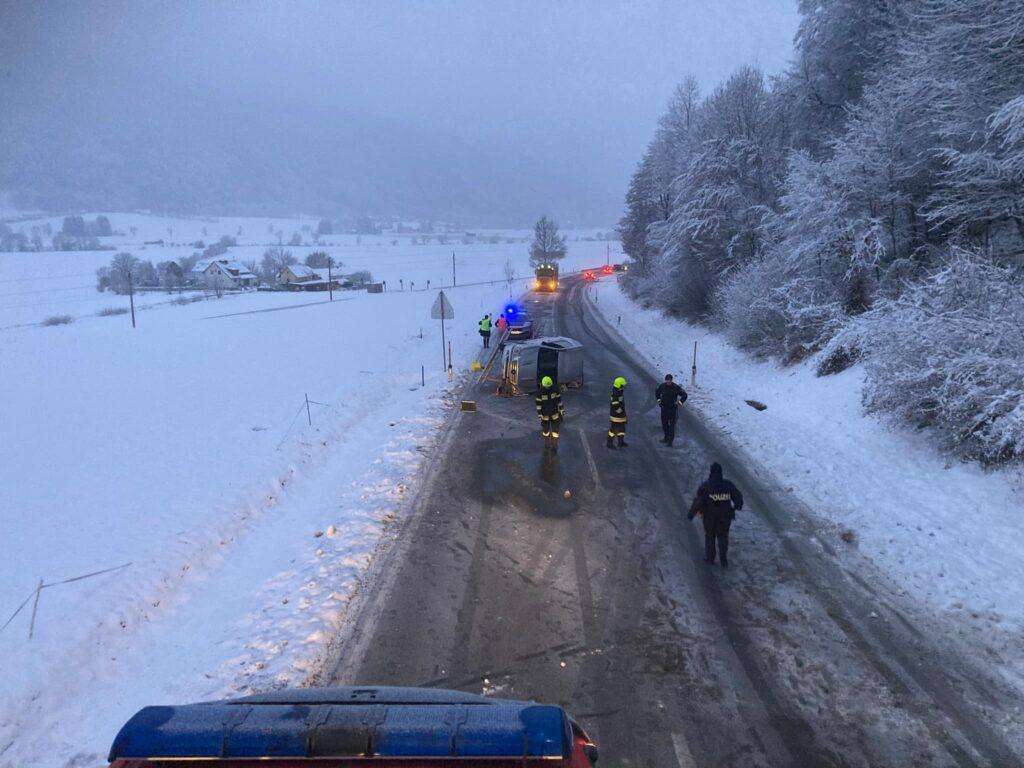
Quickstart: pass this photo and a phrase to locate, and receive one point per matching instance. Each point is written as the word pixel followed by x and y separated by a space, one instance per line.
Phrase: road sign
pixel 442 309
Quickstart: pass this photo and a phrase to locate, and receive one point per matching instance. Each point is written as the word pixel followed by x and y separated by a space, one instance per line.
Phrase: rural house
pixel 299 277
pixel 223 272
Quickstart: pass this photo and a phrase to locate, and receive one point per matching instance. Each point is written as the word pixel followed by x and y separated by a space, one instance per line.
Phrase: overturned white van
pixel 525 363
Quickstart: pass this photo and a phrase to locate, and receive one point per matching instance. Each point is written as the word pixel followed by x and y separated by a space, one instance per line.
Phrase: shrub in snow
pixel 836 358
pixel 111 311
pixel 58 320
pixel 765 310
pixel 949 354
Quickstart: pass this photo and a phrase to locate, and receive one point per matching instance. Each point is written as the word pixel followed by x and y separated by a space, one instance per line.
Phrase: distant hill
pixel 225 159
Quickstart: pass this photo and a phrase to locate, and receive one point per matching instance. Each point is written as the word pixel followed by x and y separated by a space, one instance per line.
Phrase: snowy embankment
pixel 949 533
pixel 183 449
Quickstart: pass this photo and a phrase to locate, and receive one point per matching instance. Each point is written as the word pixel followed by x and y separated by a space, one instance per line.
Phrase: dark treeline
pixel 866 205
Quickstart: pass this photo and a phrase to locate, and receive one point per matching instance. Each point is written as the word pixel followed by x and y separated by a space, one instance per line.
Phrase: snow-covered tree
pixel 121 266
pixel 145 274
pixel 274 260
pixel 949 354
pixel 841 46
pixel 320 259
pixel 548 245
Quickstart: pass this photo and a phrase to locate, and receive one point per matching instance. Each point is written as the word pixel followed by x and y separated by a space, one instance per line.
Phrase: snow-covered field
pixel 182 449
pixel 949 533
pixel 34 286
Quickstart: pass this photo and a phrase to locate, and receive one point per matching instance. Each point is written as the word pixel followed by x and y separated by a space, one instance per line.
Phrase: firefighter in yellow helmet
pixel 617 426
pixel 550 410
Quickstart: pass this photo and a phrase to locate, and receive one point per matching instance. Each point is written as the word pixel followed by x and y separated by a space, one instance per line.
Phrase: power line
pixel 48 277
pixel 51 290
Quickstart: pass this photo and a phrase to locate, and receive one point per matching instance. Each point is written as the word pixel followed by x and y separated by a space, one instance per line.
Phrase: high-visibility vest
pixel 618 405
pixel 485 324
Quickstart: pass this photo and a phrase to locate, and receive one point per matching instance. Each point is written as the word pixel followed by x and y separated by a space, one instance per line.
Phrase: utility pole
pixel 330 280
pixel 693 370
pixel 444 357
pixel 607 254
pixel 453 269
pixel 131 297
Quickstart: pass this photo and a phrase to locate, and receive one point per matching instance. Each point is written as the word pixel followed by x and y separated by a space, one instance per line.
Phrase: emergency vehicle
pixel 546 278
pixel 353 727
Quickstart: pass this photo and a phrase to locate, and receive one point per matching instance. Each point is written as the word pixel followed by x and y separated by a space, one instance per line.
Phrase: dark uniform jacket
pixel 668 393
pixel 618 408
pixel 548 402
pixel 717 498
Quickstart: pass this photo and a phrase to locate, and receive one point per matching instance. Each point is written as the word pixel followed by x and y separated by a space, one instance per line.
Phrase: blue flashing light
pixel 511 310
pixel 394 723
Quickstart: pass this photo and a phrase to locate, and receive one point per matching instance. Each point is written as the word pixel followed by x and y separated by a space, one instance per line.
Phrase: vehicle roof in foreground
pixel 348 721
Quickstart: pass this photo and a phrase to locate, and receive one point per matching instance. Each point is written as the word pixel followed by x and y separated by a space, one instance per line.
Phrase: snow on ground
pixel 182 447
pixel 949 533
pixel 34 286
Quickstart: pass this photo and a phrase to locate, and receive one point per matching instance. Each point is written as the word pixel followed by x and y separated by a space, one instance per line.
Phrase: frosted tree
pixel 510 273
pixel 884 164
pixel 548 245
pixel 274 260
pixel 650 197
pixel 949 354
pixel 145 274
pixel 320 259
pixel 726 194
pixel 977 114
pixel 841 46
pixel 121 266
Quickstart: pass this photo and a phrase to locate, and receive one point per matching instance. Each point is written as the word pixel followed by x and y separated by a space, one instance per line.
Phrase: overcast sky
pixel 558 98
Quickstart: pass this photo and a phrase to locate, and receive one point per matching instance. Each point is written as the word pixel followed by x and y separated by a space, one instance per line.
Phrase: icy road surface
pixel 602 602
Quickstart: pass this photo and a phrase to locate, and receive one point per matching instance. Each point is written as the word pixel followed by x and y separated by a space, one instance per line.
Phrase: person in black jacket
pixel 669 396
pixel 717 500
pixel 617 414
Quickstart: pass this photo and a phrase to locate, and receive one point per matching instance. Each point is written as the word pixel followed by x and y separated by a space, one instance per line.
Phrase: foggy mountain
pixel 239 159
pixel 459 111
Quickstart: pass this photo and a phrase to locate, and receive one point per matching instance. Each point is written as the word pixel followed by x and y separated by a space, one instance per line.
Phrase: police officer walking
pixel 550 410
pixel 717 500
pixel 617 425
pixel 485 330
pixel 669 396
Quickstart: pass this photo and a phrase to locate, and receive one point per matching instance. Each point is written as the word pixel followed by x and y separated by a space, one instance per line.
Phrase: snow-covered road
pixel 948 534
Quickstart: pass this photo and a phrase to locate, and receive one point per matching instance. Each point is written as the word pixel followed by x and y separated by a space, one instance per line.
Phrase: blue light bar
pixel 348 722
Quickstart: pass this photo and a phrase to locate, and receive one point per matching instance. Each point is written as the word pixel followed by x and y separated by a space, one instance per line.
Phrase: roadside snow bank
pixel 947 532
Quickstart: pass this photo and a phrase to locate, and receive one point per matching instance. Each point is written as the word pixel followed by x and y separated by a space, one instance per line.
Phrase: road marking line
pixel 683 756
pixel 590 458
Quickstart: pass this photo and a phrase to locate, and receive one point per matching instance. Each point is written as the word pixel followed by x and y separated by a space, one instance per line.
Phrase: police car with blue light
pixel 353 726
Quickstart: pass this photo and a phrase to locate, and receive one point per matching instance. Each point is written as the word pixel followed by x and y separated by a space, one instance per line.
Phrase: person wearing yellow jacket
pixel 485 330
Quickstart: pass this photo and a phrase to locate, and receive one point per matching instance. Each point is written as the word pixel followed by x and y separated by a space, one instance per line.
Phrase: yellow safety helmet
pixel 547 382
pixel 619 382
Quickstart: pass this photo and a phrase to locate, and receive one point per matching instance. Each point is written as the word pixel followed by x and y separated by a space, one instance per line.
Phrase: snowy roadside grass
pixel 950 533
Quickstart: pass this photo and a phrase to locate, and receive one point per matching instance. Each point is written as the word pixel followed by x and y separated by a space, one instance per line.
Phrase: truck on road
pixel 546 278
